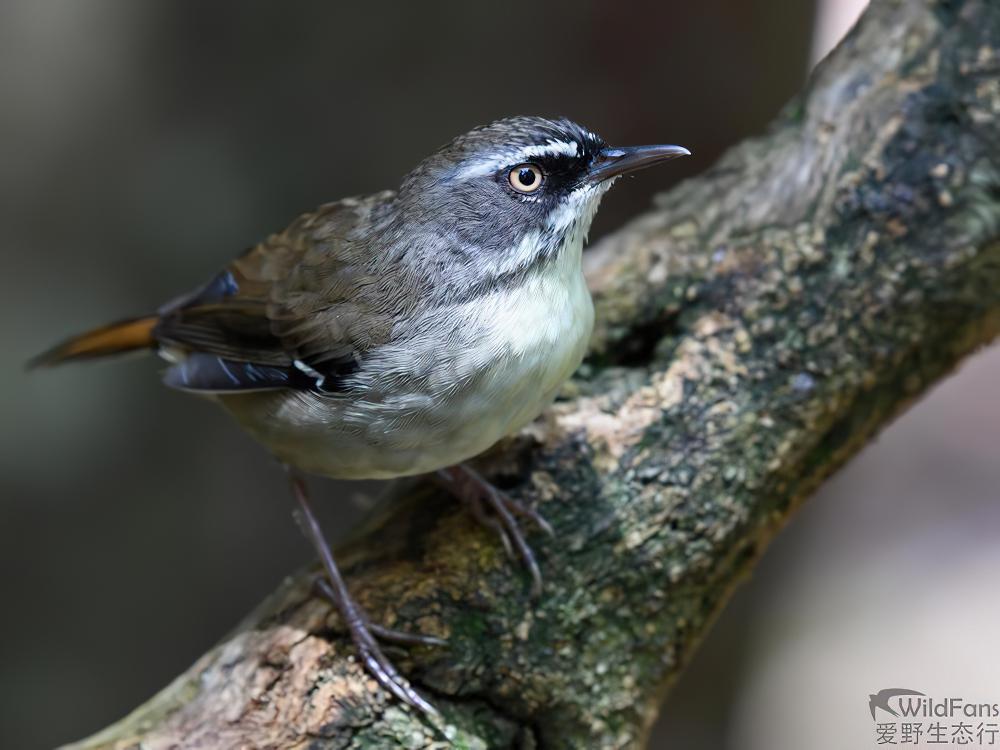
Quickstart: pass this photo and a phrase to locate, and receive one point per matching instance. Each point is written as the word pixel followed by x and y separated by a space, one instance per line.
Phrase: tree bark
pixel 755 328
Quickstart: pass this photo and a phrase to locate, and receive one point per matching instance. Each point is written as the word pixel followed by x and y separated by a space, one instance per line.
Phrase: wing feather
pixel 303 301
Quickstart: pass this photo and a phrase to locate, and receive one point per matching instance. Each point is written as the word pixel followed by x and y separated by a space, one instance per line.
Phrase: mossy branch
pixel 755 328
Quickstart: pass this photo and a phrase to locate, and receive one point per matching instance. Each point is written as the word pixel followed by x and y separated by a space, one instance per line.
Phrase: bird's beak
pixel 614 162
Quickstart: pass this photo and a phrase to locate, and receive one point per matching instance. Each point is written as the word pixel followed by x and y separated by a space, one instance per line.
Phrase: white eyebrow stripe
pixel 551 147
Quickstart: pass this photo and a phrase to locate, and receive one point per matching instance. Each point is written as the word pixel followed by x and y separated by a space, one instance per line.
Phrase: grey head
pixel 505 198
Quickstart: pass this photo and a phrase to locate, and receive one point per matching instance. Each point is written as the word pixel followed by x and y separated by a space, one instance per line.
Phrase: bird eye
pixel 525 178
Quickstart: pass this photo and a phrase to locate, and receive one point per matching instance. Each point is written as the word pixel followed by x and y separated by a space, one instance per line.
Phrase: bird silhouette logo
pixel 881 699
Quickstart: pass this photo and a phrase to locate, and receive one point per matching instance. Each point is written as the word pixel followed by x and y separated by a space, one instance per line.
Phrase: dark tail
pixel 116 338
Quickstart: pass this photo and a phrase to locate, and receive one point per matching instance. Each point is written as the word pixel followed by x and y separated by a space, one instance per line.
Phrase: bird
pixel 403 332
pixel 881 699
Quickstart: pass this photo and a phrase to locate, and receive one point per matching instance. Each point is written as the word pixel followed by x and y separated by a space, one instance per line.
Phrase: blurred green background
pixel 145 144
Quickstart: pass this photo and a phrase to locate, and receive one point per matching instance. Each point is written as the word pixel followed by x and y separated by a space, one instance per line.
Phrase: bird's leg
pixel 481 496
pixel 361 631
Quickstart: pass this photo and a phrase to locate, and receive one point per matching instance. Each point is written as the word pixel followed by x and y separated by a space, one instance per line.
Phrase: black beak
pixel 614 162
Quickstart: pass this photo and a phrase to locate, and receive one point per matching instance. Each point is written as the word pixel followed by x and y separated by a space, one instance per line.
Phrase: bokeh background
pixel 144 144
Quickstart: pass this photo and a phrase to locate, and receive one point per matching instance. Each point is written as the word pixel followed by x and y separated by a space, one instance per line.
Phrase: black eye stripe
pixel 563 165
pixel 561 173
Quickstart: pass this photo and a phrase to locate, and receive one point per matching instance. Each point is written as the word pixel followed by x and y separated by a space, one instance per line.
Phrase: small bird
pixel 403 332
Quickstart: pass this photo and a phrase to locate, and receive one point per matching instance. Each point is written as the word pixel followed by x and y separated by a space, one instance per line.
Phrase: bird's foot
pixel 382 633
pixel 362 632
pixel 495 510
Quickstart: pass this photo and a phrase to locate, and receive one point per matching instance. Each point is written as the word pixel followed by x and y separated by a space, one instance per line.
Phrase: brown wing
pixel 300 306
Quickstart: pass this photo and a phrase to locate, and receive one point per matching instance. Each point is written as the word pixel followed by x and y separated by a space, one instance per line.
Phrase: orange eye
pixel 525 178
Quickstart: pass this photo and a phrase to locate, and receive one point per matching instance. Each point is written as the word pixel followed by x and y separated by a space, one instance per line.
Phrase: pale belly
pixel 527 342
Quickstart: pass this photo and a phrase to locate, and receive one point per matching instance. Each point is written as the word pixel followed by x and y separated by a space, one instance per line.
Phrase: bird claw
pixel 382 633
pixel 476 492
pixel 379 666
pixel 405 639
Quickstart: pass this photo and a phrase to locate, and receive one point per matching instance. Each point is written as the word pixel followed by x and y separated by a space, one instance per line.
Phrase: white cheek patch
pixel 568 224
pixel 580 205
pixel 511 158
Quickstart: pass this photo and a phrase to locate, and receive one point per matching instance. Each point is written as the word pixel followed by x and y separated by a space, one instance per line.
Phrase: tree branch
pixel 755 329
